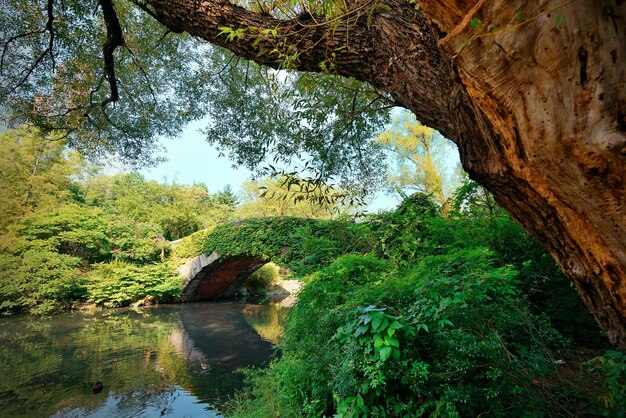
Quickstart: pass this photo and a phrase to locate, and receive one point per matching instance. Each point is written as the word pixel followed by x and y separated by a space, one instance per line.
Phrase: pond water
pixel 172 360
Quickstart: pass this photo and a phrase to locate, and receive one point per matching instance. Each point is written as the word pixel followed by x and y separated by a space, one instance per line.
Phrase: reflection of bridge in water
pixel 217 339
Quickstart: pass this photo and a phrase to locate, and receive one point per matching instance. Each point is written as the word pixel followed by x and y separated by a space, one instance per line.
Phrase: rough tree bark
pixel 532 92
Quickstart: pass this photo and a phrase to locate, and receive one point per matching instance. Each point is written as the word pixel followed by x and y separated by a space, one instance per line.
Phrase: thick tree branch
pixel 394 50
pixel 114 39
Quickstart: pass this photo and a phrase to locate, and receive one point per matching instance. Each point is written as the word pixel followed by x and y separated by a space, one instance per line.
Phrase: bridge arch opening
pixel 216 277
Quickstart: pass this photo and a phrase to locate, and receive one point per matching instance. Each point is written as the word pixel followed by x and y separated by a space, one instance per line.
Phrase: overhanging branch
pixel 114 39
pixel 48 51
pixel 393 48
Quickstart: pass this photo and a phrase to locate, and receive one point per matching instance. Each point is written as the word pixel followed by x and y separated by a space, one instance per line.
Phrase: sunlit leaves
pixel 34 173
pixel 420 154
pixel 156 74
pixel 287 197
pixel 262 117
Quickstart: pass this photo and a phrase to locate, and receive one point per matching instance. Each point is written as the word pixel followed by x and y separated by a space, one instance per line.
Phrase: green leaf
pixel 474 22
pixel 378 341
pixel 376 324
pixel 361 330
pixel 385 352
pixel 396 325
pixel 392 341
pixel 559 19
pixel 225 30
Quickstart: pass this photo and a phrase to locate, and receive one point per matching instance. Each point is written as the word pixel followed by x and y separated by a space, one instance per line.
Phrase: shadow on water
pixel 177 360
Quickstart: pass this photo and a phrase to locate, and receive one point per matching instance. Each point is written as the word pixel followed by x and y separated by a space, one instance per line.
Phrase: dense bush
pixel 120 284
pixel 451 314
pixel 611 367
pixel 46 265
pixel 39 282
pixel 72 230
pixel 452 337
pixel 133 241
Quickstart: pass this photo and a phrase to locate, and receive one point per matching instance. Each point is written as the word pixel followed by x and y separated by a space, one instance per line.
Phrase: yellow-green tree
pixel 34 173
pixel 421 153
pixel 178 209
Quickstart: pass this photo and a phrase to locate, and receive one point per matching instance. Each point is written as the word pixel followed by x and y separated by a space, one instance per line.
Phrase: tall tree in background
pixel 532 92
pixel 227 197
pixel 420 154
pixel 178 209
pixel 34 174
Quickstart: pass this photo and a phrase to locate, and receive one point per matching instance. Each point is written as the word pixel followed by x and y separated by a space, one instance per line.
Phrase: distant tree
pixel 227 197
pixel 178 209
pixel 420 155
pixel 35 173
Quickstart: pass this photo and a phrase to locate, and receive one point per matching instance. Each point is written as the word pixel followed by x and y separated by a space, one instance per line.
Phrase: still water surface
pixel 172 361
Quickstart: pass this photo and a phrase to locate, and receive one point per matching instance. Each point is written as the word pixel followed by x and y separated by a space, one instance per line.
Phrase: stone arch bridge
pixel 231 252
pixel 216 277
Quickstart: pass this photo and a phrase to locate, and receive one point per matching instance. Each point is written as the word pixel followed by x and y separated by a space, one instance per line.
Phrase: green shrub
pixel 39 282
pixel 133 241
pixel 120 284
pixel 611 368
pixel 452 337
pixel 72 230
pixel 263 277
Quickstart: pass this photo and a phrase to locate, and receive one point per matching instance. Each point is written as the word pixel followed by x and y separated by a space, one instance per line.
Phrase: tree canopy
pixel 531 92
pixel 420 154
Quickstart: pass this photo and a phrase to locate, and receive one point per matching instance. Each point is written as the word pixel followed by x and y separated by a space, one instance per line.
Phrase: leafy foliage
pixel 420 154
pixel 53 76
pixel 179 210
pixel 266 238
pixel 133 241
pixel 34 173
pixel 71 230
pixel 120 284
pixel 263 278
pixel 282 197
pixel 447 322
pixel 297 120
pixel 612 368
pixel 38 282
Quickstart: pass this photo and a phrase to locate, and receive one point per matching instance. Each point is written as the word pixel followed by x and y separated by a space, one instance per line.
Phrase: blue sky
pixel 190 159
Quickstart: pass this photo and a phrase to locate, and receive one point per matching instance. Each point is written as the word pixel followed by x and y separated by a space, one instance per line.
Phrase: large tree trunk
pixel 553 86
pixel 534 102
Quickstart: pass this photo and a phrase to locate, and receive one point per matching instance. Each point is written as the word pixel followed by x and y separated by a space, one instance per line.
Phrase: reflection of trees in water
pixel 51 364
pixel 267 320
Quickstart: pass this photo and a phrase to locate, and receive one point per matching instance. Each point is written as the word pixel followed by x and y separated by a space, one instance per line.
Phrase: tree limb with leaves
pixel 531 92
